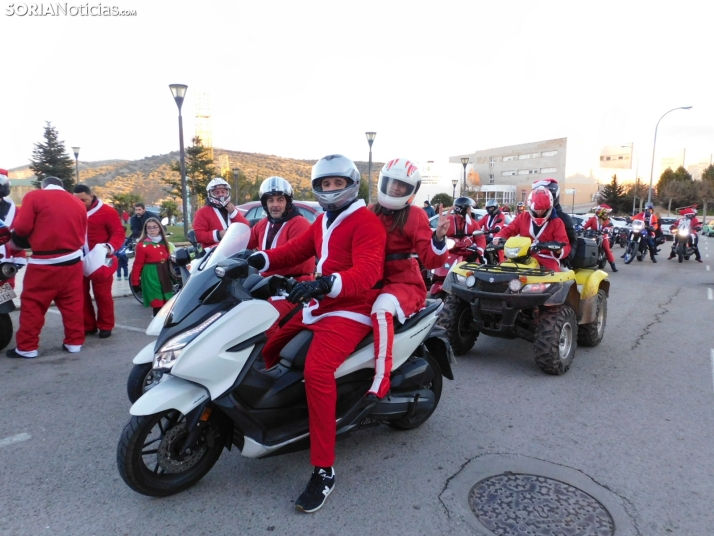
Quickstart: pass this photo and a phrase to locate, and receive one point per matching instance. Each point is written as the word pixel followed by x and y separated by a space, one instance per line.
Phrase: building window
pixel 508 173
pixel 509 158
pixel 491 179
pixel 549 153
pixel 527 171
pixel 492 162
pixel 547 170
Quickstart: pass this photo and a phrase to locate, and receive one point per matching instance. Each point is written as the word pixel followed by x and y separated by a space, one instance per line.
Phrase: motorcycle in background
pixel 620 236
pixel 683 241
pixel 637 242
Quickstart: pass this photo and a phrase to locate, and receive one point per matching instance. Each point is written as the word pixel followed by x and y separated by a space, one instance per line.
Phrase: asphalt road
pixel 635 414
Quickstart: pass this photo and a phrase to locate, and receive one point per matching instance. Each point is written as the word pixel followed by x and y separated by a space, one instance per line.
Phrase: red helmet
pixel 540 205
pixel 551 185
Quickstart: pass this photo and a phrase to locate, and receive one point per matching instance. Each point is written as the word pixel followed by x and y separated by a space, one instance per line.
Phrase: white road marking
pixel 710 294
pixel 120 326
pixel 707 267
pixel 711 354
pixel 24 437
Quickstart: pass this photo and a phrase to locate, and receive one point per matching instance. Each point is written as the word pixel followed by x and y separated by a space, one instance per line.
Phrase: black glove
pixel 257 261
pixel 311 289
pixel 136 288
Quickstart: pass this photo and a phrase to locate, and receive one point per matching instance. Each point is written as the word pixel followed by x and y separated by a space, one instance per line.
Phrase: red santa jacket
pixel 693 224
pixel 18 257
pixel 352 249
pixel 288 230
pixel 461 228
pixel 488 222
pixel 649 219
pixel 208 222
pixel 597 224
pixel 402 276
pixel 55 224
pixel 552 231
pixel 104 226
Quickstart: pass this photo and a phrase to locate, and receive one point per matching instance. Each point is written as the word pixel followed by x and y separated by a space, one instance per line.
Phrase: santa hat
pixel 3 172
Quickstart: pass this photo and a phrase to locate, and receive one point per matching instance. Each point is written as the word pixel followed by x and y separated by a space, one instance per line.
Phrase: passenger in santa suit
pixel 541 224
pixel 53 223
pixel 408 234
pixel 104 230
pixel 282 224
pixel 211 221
pixel 350 242
pixel 8 213
pixel 462 225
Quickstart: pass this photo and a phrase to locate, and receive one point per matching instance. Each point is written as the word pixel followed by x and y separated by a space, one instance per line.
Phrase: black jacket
pixel 137 223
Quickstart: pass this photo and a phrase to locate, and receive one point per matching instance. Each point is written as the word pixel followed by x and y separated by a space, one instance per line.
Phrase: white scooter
pixel 214 391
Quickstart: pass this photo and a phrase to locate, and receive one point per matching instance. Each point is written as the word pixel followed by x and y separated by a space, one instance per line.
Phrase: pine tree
pixel 50 159
pixel 613 195
pixel 199 171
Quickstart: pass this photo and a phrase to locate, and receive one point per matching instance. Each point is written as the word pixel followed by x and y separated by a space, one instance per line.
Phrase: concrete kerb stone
pixel 455 496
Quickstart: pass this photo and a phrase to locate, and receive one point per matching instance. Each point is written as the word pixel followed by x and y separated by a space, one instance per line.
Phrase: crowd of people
pixel 363 263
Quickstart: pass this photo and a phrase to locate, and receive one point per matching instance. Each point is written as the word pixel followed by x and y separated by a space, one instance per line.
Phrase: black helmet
pixel 4 184
pixel 463 205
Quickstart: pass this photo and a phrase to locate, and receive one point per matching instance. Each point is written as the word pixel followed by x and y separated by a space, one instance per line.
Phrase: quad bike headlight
pixel 460 279
pixel 168 354
pixel 470 281
pixel 515 285
pixel 535 288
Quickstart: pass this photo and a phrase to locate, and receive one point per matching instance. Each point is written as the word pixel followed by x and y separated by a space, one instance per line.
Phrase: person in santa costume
pixel 541 224
pixel 408 234
pixel 462 225
pixel 494 220
pixel 53 223
pixel 349 241
pixel 8 213
pixel 689 214
pixel 212 220
pixel 104 231
pixel 601 222
pixel 282 224
pixel 151 274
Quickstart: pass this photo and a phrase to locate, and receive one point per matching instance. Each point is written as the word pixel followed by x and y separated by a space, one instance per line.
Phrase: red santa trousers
pixel 334 339
pixel 103 319
pixel 283 307
pixel 42 284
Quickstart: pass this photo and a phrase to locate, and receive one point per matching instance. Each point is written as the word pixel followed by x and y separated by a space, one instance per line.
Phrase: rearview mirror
pixel 191 236
pixel 478 233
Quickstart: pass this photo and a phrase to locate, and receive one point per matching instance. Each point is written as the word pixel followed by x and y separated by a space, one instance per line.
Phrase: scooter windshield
pixel 234 241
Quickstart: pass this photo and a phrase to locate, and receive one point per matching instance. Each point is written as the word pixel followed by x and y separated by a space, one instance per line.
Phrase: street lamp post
pixel 235 182
pixel 637 177
pixel 464 162
pixel 654 144
pixel 572 205
pixel 75 150
pixel 454 182
pixel 179 92
pixel 370 140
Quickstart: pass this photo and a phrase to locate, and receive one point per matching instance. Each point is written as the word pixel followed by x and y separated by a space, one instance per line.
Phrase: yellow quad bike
pixel 519 298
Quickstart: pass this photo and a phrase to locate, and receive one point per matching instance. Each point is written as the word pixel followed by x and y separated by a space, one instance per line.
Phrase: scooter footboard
pixel 171 393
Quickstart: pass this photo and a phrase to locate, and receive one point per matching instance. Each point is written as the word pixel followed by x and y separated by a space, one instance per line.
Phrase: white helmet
pixel 219 201
pixel 275 186
pixel 335 165
pixel 398 183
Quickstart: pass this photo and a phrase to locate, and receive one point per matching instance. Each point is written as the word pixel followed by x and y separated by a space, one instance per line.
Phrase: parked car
pixel 665 224
pixel 708 229
pixel 253 210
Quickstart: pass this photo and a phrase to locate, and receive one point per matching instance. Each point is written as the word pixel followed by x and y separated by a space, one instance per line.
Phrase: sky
pixel 305 79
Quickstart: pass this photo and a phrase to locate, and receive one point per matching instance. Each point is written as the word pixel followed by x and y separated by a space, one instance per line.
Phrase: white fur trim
pixel 438 251
pixel 53 187
pixel 91 212
pixel 275 238
pixel 309 318
pixel 267 262
pixel 220 219
pixel 56 260
pixel 336 286
pixel 216 238
pixel 233 214
pixel 389 303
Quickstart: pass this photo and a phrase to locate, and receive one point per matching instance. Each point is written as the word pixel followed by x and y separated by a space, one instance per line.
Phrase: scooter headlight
pixel 171 350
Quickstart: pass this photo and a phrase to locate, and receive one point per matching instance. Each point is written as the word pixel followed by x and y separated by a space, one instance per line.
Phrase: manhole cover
pixel 509 504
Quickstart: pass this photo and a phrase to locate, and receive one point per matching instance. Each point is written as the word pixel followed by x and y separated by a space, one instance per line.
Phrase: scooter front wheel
pixel 141 378
pixel 149 455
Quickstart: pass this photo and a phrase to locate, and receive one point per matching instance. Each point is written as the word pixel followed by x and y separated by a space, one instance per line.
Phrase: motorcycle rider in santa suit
pixel 462 225
pixel 494 220
pixel 652 224
pixel 600 222
pixel 520 207
pixel 350 242
pixel 408 232
pixel 691 215
pixel 541 224
pixel 282 224
pixel 212 220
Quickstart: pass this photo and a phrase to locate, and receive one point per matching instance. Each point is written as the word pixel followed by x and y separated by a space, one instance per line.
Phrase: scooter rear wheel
pixel 6 330
pixel 435 386
pixel 148 456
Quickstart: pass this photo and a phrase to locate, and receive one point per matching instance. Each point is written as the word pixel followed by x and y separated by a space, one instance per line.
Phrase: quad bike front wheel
pixel 554 343
pixel 458 321
pixel 591 334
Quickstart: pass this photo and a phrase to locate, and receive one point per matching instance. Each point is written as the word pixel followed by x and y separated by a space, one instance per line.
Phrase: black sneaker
pixel 320 486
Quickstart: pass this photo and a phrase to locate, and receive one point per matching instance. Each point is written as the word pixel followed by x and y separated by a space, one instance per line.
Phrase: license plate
pixel 6 293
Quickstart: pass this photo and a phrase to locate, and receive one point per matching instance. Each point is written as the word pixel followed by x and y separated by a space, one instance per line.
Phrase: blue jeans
pixel 123 263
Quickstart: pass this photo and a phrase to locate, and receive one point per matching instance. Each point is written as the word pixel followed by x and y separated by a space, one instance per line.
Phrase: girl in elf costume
pixel 151 273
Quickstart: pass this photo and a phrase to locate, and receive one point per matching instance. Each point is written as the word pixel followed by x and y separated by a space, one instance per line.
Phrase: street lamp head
pixel 454 182
pixel 370 137
pixel 686 107
pixel 179 92
pixel 235 172
pixel 465 160
pixel 75 150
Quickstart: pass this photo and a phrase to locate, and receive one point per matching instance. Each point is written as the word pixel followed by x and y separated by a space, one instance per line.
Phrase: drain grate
pixel 510 504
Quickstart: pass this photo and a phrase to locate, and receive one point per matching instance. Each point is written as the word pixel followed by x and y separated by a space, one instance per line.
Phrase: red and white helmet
pixel 540 205
pixel 398 183
pixel 552 186
pixel 219 201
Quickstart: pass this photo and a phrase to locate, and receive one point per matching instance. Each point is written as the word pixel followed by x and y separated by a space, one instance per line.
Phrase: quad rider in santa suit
pixel 652 224
pixel 601 222
pixel 494 220
pixel 520 207
pixel 408 234
pixel 554 188
pixel 282 224
pixel 541 224
pixel 211 221
pixel 350 242
pixel 691 215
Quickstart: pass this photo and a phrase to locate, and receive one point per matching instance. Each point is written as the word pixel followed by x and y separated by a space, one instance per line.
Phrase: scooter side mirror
pixel 232 269
pixel 478 233
pixel 191 236
pixel 182 257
